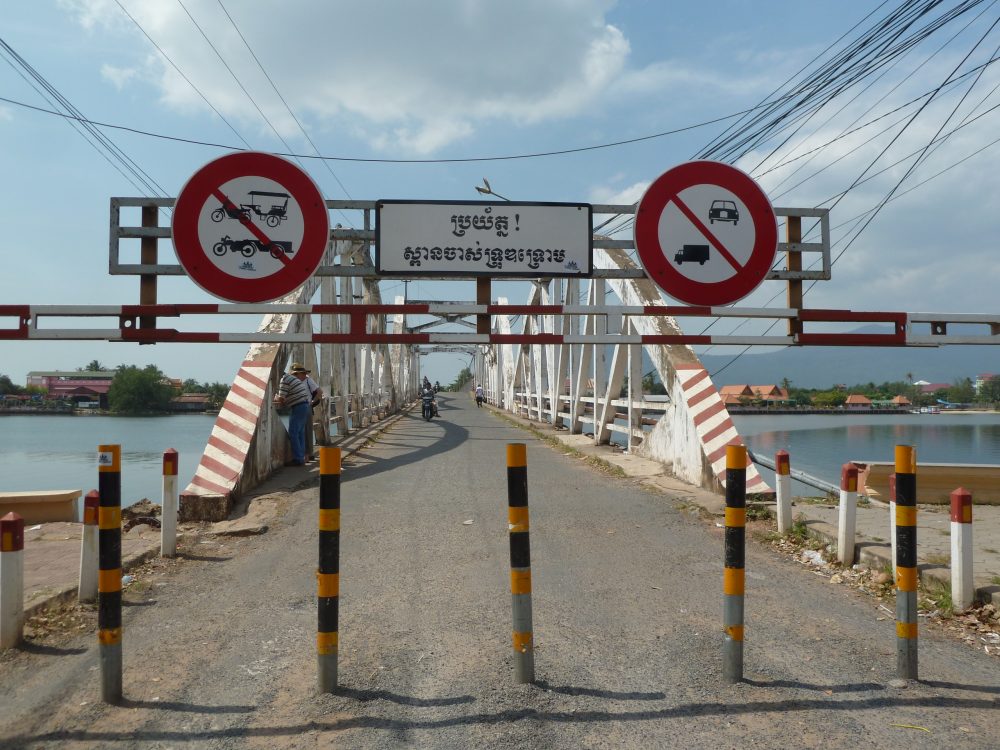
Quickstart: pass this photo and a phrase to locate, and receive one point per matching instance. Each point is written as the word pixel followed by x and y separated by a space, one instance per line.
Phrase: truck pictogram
pixel 692 254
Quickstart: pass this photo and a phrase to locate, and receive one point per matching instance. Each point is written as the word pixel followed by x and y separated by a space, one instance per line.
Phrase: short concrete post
pixel 892 520
pixel 963 591
pixel 88 548
pixel 168 505
pixel 11 580
pixel 783 488
pixel 847 519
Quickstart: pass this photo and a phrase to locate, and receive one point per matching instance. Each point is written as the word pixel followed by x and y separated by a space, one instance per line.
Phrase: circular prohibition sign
pixel 250 227
pixel 706 233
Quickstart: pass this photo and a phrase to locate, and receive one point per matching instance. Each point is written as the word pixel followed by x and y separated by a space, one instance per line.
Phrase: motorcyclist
pixel 437 386
pixel 427 390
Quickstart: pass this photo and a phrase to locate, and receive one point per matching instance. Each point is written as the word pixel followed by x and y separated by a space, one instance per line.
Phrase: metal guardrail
pixel 796 474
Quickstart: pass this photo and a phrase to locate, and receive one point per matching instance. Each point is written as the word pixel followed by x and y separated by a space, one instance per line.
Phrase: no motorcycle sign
pixel 250 227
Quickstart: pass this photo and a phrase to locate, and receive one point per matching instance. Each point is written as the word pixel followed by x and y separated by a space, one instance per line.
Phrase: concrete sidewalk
pixel 52 551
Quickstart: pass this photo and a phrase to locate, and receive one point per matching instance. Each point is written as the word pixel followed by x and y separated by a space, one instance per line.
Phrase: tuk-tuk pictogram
pixel 275 214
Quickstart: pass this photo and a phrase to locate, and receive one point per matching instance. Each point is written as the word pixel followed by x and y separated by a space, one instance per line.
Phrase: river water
pixel 820 444
pixel 60 452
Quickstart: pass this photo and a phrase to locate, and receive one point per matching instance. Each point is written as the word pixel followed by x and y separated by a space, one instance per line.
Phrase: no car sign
pixel 706 233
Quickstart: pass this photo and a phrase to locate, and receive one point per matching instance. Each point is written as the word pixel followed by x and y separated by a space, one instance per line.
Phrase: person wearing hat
pixel 293 392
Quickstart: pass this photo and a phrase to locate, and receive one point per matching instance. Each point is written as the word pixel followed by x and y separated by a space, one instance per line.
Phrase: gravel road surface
pixel 220 645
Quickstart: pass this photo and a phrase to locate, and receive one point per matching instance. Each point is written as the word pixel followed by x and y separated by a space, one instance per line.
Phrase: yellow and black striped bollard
pixel 109 573
pixel 733 577
pixel 906 562
pixel 328 573
pixel 520 562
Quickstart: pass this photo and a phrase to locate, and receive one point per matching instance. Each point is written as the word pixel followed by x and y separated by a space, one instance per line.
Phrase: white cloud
pixel 420 76
pixel 119 77
pixel 618 196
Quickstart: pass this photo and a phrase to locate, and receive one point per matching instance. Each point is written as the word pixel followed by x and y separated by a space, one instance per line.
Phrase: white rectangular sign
pixel 437 238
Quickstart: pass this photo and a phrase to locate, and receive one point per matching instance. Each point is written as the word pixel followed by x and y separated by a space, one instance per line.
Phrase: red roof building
pixel 857 401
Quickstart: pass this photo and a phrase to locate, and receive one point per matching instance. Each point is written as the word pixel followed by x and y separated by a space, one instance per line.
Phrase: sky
pixel 437 90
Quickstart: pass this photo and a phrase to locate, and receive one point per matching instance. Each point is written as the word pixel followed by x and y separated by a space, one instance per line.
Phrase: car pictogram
pixel 724 211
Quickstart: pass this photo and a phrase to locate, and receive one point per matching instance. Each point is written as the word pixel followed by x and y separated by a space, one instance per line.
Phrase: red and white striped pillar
pixel 87 591
pixel 783 490
pixel 847 517
pixel 11 579
pixel 963 591
pixel 168 505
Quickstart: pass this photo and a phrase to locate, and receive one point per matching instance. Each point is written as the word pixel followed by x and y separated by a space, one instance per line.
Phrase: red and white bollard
pixel 168 505
pixel 963 591
pixel 847 518
pixel 88 548
pixel 11 580
pixel 783 490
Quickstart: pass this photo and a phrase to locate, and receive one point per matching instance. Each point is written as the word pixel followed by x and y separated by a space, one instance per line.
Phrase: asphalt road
pixel 219 648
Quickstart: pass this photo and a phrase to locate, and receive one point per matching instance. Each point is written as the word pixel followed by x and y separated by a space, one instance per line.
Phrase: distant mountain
pixel 823 366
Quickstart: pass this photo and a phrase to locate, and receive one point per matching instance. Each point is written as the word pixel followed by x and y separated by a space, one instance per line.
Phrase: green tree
pixel 92 366
pixel 193 386
pixel 460 380
pixel 135 391
pixel 652 385
pixel 990 391
pixel 218 392
pixel 829 399
pixel 7 386
pixel 962 391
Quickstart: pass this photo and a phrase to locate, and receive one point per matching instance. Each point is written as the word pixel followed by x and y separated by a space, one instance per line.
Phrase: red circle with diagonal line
pixel 706 233
pixel 250 227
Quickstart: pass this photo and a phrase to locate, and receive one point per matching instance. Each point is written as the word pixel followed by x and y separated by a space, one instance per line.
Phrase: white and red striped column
pixel 232 436
pixel 713 425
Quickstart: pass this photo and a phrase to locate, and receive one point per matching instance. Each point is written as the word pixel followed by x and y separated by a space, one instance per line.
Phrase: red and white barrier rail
pixel 24 322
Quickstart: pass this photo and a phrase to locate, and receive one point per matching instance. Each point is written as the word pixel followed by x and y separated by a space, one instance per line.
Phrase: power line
pixel 276 91
pixel 109 150
pixel 239 83
pixel 189 82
